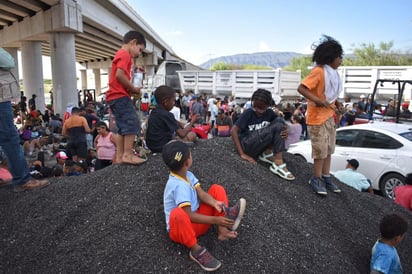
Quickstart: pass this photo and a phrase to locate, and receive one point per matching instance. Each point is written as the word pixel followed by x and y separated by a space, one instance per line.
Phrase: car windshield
pixel 407 135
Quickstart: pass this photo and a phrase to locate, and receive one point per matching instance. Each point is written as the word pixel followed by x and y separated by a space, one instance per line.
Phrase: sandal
pixel 281 172
pixel 266 157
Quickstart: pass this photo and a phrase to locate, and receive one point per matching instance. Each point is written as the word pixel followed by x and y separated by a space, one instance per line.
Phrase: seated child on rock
pixel 259 132
pixel 162 125
pixel 190 211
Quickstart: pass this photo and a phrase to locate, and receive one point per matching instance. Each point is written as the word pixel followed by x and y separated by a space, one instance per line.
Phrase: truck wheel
pixel 388 183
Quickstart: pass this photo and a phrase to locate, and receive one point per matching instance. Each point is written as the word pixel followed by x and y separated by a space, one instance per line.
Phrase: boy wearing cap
pixel 190 211
pixel 403 194
pixel 352 178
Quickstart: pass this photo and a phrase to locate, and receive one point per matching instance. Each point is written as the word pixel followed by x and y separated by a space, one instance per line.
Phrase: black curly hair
pixel 163 93
pixel 264 96
pixel 327 51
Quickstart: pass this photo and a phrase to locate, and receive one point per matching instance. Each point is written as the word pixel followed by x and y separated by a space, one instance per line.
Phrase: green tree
pixel 384 55
pixel 220 66
pixel 365 55
pixel 302 63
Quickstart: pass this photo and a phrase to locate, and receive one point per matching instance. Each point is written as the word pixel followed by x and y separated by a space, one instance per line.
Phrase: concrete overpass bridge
pixel 86 32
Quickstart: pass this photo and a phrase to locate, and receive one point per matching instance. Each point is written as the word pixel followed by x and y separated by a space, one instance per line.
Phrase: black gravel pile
pixel 112 221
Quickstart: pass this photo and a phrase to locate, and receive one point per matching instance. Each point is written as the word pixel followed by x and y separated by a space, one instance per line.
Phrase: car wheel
pixel 389 182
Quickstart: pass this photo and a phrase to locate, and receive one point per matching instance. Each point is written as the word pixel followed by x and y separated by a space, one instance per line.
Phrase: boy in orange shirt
pixel 118 97
pixel 321 88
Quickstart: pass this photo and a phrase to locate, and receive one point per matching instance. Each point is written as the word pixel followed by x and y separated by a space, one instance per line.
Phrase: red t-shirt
pixel 403 196
pixel 122 60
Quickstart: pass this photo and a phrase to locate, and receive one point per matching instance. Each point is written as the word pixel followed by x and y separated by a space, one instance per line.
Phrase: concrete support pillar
pixel 32 68
pixel 83 78
pixel 64 71
pixel 13 53
pixel 97 82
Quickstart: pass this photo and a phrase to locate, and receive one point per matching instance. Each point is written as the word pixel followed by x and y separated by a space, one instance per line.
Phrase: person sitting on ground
pixel 61 158
pixel 403 194
pixel 5 175
pixel 190 211
pixel 55 124
pixel 385 258
pixel 28 141
pixel 75 129
pixel 223 124
pixel 259 131
pixel 70 169
pixel 162 125
pixel 105 145
pixel 352 178
pixel 294 130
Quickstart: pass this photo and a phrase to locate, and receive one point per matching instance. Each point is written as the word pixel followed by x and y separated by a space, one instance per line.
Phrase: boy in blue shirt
pixel 190 211
pixel 385 258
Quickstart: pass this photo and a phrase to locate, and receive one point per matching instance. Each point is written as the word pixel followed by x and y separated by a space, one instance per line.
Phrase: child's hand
pixel 134 91
pixel 248 158
pixel 284 132
pixel 219 206
pixel 320 103
pixel 223 221
pixel 195 118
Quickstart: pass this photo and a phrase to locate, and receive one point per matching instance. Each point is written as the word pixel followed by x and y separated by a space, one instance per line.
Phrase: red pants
pixel 183 231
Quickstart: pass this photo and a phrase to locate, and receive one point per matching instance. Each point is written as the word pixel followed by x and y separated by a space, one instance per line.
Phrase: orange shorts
pixel 183 231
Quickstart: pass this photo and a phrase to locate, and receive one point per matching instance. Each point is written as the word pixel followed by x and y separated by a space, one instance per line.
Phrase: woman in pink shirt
pixel 105 145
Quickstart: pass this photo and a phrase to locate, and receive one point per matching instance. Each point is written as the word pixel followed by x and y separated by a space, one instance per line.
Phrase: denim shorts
pixel 125 114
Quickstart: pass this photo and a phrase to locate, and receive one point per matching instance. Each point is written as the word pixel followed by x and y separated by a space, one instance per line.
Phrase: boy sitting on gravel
pixel 162 125
pixel 260 132
pixel 190 211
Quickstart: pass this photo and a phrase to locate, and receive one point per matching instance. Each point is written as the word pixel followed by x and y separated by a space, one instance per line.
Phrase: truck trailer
pixel 241 83
pixel 360 80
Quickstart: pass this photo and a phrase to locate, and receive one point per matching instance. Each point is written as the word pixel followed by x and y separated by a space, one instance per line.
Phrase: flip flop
pixel 134 161
pixel 266 158
pixel 279 170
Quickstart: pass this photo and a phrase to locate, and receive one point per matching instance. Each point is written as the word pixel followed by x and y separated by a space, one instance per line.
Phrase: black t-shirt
pixel 161 128
pixel 249 121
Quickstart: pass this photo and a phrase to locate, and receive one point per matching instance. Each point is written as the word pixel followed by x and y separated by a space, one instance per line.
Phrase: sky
pixel 199 30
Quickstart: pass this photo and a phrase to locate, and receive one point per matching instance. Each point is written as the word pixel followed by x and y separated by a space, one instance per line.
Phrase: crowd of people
pixel 82 142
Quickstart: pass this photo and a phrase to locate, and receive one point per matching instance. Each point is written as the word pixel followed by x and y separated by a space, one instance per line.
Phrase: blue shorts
pixel 125 114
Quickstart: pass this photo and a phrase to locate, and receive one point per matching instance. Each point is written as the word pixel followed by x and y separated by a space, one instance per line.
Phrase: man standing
pixel 91 121
pixel 9 137
pixel 32 102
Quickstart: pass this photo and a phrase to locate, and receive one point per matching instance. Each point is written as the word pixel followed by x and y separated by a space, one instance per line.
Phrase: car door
pixel 343 149
pixel 375 151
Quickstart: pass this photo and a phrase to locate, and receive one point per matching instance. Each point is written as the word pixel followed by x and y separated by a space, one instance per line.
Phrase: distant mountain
pixel 268 59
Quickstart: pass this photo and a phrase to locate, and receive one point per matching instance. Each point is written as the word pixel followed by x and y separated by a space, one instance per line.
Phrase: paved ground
pixel 112 221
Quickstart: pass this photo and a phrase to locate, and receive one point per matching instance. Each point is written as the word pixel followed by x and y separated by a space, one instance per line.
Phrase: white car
pixel 383 149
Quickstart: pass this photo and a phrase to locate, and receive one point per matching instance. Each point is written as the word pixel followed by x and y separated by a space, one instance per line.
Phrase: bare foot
pixel 132 160
pixel 226 234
